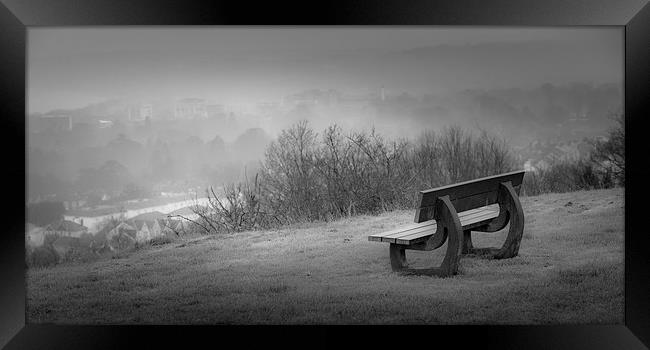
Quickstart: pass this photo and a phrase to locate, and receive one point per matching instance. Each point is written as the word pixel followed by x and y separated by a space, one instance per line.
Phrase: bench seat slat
pixel 487 215
pixel 475 222
pixel 464 221
pixel 417 232
pixel 429 230
pixel 406 228
pixel 466 217
pixel 414 228
pixel 417 227
pixel 430 225
pixel 467 223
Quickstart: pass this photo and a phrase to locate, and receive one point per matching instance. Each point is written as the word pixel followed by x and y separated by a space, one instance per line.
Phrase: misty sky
pixel 73 67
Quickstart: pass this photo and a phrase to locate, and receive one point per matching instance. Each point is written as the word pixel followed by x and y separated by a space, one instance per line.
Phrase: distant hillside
pixel 561 112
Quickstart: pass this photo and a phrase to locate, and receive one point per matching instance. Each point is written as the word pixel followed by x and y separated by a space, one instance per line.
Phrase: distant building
pixel 114 236
pixel 156 224
pixel 66 228
pixel 157 227
pixel 191 108
pixel 143 232
pixel 73 204
pixel 216 110
pixel 146 111
pixel 105 124
pixel 139 113
pixel 140 229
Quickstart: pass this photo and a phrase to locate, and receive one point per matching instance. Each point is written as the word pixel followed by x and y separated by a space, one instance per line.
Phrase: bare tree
pixel 304 177
pixel 610 154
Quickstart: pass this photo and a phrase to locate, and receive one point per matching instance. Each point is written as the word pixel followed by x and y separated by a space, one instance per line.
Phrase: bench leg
pixel 397 257
pixel 467 242
pixel 449 226
pixel 510 212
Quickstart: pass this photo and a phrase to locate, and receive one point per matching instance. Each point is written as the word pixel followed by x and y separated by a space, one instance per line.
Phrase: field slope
pixel 569 270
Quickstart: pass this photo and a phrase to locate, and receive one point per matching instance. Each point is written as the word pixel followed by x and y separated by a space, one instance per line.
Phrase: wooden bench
pixel 453 212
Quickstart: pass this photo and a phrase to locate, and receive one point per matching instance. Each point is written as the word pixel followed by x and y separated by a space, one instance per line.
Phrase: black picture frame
pixel 17 15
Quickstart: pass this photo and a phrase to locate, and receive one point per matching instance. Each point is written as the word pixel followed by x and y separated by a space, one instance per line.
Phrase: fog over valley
pixel 119 115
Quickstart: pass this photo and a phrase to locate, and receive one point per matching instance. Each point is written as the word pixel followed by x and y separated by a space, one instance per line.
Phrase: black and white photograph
pixel 346 175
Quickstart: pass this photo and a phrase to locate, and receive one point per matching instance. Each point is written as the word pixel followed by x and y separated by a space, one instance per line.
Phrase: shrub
pixel 358 173
pixel 156 241
pixel 122 241
pixel 122 254
pixel 610 154
pixel 455 155
pixel 603 168
pixel 241 208
pixel 161 240
pixel 79 254
pixel 289 176
pixel 564 176
pixel 42 256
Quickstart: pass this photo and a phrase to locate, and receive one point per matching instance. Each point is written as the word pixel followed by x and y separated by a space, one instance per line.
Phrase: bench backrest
pixel 467 195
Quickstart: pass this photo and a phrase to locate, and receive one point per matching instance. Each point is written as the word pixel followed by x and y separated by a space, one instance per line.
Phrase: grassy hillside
pixel 569 270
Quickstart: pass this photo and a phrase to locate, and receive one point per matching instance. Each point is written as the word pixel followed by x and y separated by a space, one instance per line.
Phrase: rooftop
pixel 66 225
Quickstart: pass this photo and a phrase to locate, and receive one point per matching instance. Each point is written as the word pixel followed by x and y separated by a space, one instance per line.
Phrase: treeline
pixel 604 167
pixel 306 176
